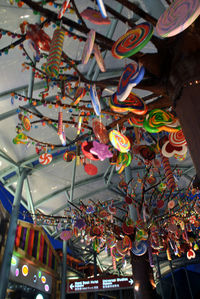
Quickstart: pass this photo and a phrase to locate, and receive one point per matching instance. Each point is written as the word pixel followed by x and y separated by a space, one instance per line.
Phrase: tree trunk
pixel 143 277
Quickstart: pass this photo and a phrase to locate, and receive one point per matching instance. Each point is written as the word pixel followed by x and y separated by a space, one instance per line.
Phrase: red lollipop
pixel 86 147
pixel 100 131
pixel 90 169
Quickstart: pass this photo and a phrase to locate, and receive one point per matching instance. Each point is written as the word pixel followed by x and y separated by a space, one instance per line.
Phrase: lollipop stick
pixel 137 135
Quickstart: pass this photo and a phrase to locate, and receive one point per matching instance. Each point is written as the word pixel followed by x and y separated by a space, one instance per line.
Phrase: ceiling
pixel 48 188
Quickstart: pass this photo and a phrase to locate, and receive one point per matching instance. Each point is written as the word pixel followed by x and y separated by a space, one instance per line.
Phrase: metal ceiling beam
pixel 6 158
pixel 29 198
pixel 67 188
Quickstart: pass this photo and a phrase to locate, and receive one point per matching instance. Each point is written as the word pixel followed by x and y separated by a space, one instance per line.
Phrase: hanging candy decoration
pixel 100 131
pixel 37 35
pixel 69 156
pixel 94 17
pixel 169 150
pixel 139 248
pixel 66 235
pixel 20 139
pixel 128 227
pixel 168 173
pixel 146 152
pixel 25 122
pixel 60 122
pixel 34 48
pixel 86 147
pixel 110 240
pixel 132 41
pixel 90 169
pixel 80 119
pixel 132 104
pixel 136 121
pixel 89 44
pixel 177 138
pixel 95 100
pixel 55 52
pixel 179 16
pixel 101 150
pixel 159 120
pixel 119 141
pixel 45 159
pixel 123 161
pixel 79 94
pixel 99 58
pixel 131 76
pixel 102 8
pixel 63 9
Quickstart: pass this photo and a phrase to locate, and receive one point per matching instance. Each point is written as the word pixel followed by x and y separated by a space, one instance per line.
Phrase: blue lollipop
pixel 140 248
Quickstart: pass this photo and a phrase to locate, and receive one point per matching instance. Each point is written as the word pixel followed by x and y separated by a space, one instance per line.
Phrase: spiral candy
pixel 179 15
pixel 140 248
pixel 55 52
pixel 131 76
pixel 136 121
pixel 133 41
pixel 177 138
pixel 133 104
pixel 45 159
pixel 119 141
pixel 168 173
pixel 159 120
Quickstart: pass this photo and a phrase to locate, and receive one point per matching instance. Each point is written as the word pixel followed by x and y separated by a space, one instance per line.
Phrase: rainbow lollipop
pixel 159 120
pixel 133 41
pixel 119 141
pixel 132 104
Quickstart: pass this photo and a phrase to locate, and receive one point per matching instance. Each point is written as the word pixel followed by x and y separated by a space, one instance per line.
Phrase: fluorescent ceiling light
pixel 25 17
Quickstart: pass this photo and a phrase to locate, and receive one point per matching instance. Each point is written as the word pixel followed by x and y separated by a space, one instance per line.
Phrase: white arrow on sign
pixel 131 281
pixel 71 286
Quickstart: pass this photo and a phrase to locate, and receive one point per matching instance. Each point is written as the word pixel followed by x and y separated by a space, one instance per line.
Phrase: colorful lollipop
pixel 132 104
pixel 89 44
pixel 159 120
pixel 55 52
pixel 94 16
pixel 25 122
pixel 110 240
pixel 79 94
pixel 179 16
pixel 69 156
pixel 95 100
pixel 133 41
pixel 20 139
pixel 136 121
pixel 60 122
pixel 119 141
pixel 131 76
pixel 100 131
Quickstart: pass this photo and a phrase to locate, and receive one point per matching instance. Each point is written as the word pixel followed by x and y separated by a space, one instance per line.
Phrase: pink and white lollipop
pixel 45 159
pixel 179 16
pixel 99 58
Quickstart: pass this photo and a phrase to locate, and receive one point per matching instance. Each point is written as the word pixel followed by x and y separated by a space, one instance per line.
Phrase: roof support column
pixel 64 270
pixel 5 267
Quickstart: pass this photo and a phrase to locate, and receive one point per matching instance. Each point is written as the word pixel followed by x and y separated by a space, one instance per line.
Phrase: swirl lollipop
pixel 179 16
pixel 132 104
pixel 110 241
pixel 136 121
pixel 133 41
pixel 45 159
pixel 159 120
pixel 177 138
pixel 131 76
pixel 140 248
pixel 99 58
pixel 119 141
pixel 25 122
